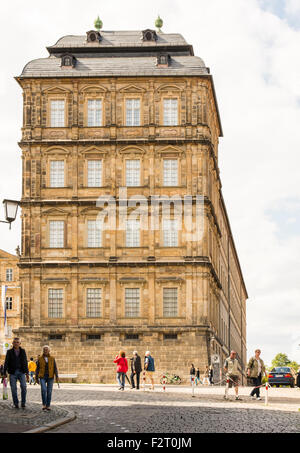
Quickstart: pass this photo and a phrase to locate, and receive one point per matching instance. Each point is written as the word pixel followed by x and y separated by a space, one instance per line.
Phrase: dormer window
pixel 93 36
pixel 68 61
pixel 163 60
pixel 149 35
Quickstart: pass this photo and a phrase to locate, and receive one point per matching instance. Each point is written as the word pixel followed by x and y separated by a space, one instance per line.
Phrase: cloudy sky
pixel 252 48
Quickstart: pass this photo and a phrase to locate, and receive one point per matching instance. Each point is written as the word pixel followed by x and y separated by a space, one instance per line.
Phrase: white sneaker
pixel 259 398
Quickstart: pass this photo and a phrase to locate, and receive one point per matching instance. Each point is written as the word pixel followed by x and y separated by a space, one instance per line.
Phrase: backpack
pixel 150 363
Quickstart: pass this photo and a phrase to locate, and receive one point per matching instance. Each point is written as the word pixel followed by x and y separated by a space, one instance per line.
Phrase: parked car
pixel 282 375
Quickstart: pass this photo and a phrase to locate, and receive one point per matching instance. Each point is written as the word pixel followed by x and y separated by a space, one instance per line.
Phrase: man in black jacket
pixel 136 368
pixel 17 367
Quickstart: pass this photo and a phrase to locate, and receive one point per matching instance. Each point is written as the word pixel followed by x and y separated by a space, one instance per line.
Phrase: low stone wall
pixel 93 360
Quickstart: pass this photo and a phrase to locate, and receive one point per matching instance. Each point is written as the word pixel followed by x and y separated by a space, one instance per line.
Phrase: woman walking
pixel 122 368
pixel 45 371
pixel 192 373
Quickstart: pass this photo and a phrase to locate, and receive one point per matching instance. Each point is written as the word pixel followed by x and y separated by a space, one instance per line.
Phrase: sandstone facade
pixel 204 276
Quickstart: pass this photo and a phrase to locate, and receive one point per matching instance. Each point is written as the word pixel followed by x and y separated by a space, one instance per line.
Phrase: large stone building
pixel 105 111
pixel 10 295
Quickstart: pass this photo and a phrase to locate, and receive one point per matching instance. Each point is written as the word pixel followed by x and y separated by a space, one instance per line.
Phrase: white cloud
pixel 253 56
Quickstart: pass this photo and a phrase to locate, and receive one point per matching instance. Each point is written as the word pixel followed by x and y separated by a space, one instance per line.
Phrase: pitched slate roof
pixel 119 53
pixel 114 66
pixel 120 39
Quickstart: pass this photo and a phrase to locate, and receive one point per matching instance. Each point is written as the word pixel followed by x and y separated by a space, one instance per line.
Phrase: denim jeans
pixel 46 389
pixel 121 379
pixel 31 378
pixel 13 378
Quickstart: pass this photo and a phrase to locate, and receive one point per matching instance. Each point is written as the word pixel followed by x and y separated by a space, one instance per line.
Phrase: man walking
pixel 17 367
pixel 149 368
pixel 136 368
pixel 232 373
pixel 45 371
pixel 31 368
pixel 255 370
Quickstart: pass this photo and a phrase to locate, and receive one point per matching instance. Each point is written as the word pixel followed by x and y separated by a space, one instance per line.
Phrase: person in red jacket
pixel 122 368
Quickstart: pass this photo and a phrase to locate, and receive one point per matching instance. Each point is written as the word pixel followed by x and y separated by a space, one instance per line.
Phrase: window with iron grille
pixel 94 233
pixel 9 303
pixel 9 275
pixel 170 112
pixel 132 302
pixel 93 302
pixel 170 302
pixel 57 113
pixel 170 336
pixel 94 173
pixel 93 337
pixel 132 233
pixel 57 173
pixel 131 336
pixel 55 337
pixel 133 170
pixel 94 112
pixel 170 172
pixel 55 303
pixel 57 233
pixel 170 233
pixel 132 112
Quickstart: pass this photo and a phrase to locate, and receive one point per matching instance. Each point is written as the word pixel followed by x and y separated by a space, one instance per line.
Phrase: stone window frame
pixel 171 153
pixel 170 157
pixel 134 95
pixel 88 286
pixel 54 153
pixel 86 171
pixel 131 158
pixel 162 109
pixel 94 96
pixel 132 153
pixel 162 238
pixel 9 303
pixel 140 235
pixel 180 298
pixel 86 215
pixel 63 289
pixel 61 218
pixel 9 274
pixel 57 97
pixel 168 91
pixel 133 285
pixel 53 159
pixel 171 286
pixel 91 217
pixel 92 153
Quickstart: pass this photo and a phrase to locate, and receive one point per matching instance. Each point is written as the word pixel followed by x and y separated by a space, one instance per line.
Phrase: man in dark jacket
pixel 136 368
pixel 17 367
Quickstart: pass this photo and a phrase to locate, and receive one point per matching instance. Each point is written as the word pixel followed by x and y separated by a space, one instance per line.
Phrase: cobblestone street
pixel 104 409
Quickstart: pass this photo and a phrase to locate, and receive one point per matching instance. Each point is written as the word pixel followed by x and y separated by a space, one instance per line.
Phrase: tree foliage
pixel 282 359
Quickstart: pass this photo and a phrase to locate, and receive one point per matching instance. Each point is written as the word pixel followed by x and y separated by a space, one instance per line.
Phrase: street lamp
pixel 10 208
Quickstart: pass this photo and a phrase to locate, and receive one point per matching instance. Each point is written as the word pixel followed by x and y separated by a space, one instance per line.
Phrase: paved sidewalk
pixel 104 409
pixel 14 420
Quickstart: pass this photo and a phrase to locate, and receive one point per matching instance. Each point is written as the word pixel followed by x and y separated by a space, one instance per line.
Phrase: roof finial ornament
pixel 159 23
pixel 98 24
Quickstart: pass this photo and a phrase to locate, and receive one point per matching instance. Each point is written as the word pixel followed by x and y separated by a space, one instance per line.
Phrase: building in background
pixel 10 298
pixel 107 111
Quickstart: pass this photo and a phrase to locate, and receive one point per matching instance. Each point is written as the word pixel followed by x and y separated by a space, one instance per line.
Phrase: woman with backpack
pixel 122 368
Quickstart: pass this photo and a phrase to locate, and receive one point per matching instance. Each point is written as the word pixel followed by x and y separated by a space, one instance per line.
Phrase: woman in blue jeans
pixel 45 371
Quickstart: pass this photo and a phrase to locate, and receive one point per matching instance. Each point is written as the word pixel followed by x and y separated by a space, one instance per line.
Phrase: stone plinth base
pixel 92 360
